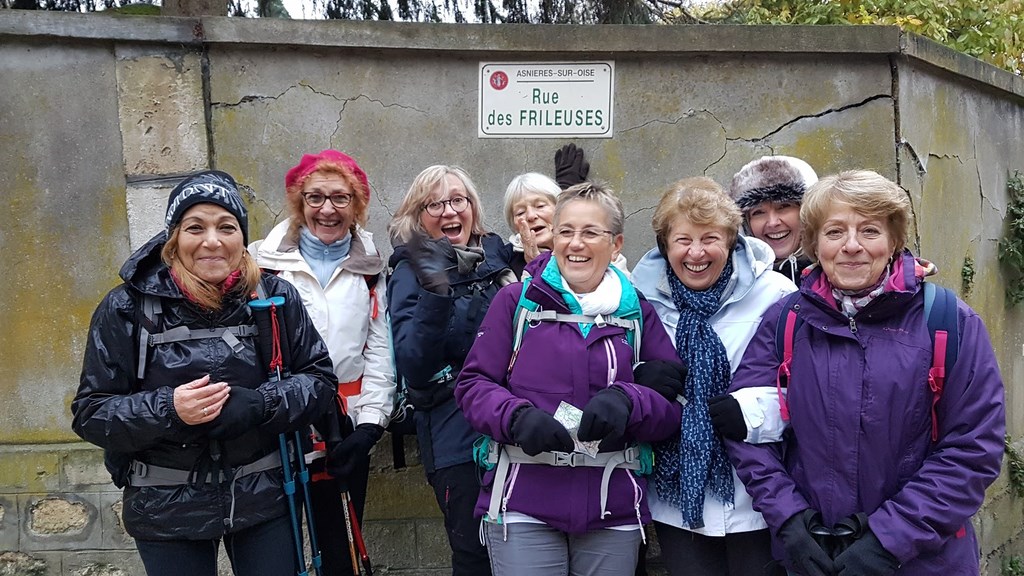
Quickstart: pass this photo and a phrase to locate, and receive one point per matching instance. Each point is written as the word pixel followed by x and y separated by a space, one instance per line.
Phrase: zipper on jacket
pixel 853 325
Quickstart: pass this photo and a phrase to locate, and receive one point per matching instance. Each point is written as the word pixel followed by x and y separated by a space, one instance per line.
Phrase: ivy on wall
pixel 1011 247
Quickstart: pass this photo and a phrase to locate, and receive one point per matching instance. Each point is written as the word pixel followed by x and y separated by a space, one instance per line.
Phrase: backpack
pixel 528 313
pixel 151 333
pixel 940 310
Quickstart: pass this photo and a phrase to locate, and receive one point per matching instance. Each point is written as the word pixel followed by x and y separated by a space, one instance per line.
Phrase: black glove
pixel 805 555
pixel 570 167
pixel 245 409
pixel 342 460
pixel 727 417
pixel 664 377
pixel 866 557
pixel 605 417
pixel 431 259
pixel 536 431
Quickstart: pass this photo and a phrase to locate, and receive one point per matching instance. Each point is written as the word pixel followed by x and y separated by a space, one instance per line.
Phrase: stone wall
pixel 100 115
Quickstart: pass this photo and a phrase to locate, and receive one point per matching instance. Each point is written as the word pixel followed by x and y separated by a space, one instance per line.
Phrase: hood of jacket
pixel 146 272
pixel 278 252
pixel 751 259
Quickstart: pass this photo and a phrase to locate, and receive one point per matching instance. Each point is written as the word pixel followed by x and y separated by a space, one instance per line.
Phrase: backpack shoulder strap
pixel 940 309
pixel 785 331
pixel 149 323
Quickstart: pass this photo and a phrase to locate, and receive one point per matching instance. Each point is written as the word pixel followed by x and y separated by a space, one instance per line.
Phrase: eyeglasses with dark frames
pixel 436 208
pixel 316 200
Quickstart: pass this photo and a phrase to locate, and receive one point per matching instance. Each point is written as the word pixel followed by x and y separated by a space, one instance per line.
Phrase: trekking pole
pixel 303 471
pixel 357 535
pixel 264 312
pixel 348 532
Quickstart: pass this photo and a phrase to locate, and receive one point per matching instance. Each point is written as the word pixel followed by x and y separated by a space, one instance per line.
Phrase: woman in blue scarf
pixel 710 286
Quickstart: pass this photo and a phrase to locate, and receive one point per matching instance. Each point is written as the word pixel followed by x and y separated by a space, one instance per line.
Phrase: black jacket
pixel 133 419
pixel 432 332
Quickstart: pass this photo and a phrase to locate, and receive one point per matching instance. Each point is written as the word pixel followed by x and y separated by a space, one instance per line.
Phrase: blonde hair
pixel 868 193
pixel 406 220
pixel 200 291
pixel 703 202
pixel 293 196
pixel 597 192
pixel 523 185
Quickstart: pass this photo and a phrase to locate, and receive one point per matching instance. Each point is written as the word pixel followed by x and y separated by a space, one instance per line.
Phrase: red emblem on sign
pixel 499 80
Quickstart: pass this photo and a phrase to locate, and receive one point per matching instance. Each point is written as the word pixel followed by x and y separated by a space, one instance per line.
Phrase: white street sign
pixel 546 100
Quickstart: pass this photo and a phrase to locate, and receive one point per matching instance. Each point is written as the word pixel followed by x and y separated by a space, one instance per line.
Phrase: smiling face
pixel 328 222
pixel 697 254
pixel 539 211
pixel 210 243
pixel 853 249
pixel 456 226
pixel 583 246
pixel 778 224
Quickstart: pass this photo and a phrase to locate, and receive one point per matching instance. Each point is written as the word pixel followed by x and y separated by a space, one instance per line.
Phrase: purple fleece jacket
pixel 556 363
pixel 860 409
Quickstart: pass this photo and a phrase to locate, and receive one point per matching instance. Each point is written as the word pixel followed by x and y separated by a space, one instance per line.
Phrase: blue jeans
pixel 262 550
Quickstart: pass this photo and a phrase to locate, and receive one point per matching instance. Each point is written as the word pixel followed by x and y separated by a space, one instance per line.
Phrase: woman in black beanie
pixel 175 392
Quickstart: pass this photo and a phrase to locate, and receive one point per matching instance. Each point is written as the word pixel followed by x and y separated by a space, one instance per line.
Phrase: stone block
pixel 29 469
pixel 9 525
pixel 105 563
pixel 114 535
pixel 432 544
pixel 400 494
pixel 64 521
pixel 23 564
pixel 160 105
pixel 147 205
pixel 391 544
pixel 83 469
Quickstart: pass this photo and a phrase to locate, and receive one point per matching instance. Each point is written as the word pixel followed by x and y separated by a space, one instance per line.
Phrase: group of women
pixel 560 402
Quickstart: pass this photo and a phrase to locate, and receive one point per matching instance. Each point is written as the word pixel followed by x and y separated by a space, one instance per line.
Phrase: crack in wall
pixel 946 157
pixel 688 114
pixel 919 165
pixel 789 123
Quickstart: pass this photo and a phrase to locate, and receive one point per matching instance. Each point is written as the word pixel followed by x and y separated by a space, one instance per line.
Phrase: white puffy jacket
pixel 350 317
pixel 753 288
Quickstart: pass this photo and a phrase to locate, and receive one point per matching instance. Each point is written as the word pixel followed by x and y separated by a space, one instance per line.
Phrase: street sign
pixel 546 100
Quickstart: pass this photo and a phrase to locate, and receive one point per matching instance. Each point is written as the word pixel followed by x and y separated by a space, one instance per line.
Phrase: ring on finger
pixel 204 411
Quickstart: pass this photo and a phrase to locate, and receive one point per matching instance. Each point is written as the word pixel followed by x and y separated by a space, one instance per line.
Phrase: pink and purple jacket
pixel 860 409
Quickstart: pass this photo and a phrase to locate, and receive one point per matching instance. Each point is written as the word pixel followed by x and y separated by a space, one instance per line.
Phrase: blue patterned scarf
pixel 695 459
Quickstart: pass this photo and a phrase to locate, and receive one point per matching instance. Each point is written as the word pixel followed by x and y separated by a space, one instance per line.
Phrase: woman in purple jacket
pixel 860 484
pixel 547 508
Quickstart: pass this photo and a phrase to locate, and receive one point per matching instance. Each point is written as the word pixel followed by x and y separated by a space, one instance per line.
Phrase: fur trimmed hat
pixel 771 179
pixel 208 186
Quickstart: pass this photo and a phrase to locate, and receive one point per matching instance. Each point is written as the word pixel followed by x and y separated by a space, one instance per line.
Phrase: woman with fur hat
pixel 190 425
pixel 710 286
pixel 769 192
pixel 323 250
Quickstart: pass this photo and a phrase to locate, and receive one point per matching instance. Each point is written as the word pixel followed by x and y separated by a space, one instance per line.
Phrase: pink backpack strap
pixel 787 360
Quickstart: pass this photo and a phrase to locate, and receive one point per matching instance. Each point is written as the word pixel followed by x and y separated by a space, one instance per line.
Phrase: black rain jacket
pixel 134 419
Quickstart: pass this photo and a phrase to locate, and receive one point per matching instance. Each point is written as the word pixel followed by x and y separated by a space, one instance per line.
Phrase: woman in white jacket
pixel 710 287
pixel 331 260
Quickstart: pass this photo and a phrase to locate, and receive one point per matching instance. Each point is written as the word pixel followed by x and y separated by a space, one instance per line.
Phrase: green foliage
pixel 1011 247
pixel 992 30
pixel 967 275
pixel 1014 469
pixel 1012 566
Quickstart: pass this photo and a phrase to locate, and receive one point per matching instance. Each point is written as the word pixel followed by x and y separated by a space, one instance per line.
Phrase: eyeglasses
pixel 316 200
pixel 587 235
pixel 458 204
